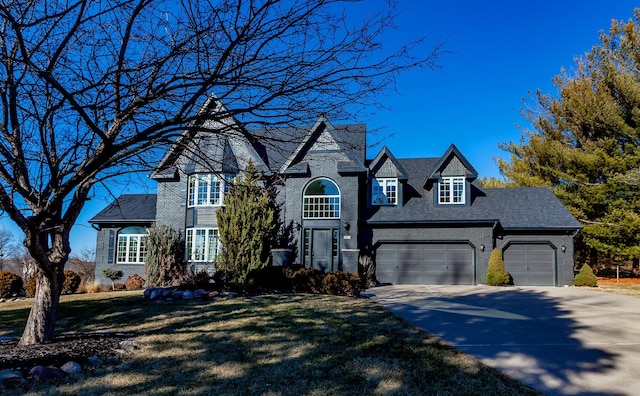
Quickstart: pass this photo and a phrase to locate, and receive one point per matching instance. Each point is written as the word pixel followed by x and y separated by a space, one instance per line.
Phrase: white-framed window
pixel 207 189
pixel 132 247
pixel 451 190
pixel 384 191
pixel 202 244
pixel 321 200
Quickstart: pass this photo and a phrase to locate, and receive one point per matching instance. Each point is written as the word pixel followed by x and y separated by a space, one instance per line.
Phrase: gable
pixel 386 165
pixel 452 163
pixel 324 142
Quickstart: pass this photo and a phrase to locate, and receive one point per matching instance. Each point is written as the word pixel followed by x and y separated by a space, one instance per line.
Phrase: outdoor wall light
pixel 563 248
pixel 482 248
pixel 346 225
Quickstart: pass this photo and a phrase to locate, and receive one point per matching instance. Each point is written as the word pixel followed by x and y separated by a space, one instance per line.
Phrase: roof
pixel 128 208
pixel 514 208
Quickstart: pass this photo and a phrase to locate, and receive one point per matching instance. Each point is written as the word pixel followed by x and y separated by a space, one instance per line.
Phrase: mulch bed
pixel 77 347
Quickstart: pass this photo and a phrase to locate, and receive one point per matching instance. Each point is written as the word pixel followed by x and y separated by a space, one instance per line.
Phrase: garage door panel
pixel 424 263
pixel 531 264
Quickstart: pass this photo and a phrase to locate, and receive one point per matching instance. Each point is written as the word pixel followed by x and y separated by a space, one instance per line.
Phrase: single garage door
pixel 530 264
pixel 425 263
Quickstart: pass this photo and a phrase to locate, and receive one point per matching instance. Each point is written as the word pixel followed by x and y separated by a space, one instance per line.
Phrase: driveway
pixel 558 340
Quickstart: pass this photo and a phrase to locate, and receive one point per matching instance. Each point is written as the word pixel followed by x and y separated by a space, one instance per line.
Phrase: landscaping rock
pixel 11 378
pixel 71 367
pixel 95 361
pixel 200 293
pixel 188 295
pixel 178 294
pixel 42 373
pixel 128 345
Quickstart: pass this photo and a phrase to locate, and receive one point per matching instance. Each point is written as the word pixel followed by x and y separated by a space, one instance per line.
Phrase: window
pixel 321 200
pixel 207 189
pixel 132 248
pixel 202 244
pixel 384 191
pixel 451 190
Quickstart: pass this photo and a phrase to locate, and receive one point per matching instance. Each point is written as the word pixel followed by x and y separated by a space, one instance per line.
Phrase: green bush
pixel 497 275
pixel 134 282
pixel 585 277
pixel 10 284
pixel 71 282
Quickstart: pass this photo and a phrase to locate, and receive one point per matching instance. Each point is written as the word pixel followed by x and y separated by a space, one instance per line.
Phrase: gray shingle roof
pixel 128 208
pixel 513 208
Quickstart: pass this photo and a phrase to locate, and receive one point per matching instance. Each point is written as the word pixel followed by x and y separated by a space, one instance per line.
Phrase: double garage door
pixel 530 264
pixel 425 263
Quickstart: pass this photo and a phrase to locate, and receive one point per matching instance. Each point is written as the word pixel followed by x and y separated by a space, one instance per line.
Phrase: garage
pixel 425 263
pixel 531 264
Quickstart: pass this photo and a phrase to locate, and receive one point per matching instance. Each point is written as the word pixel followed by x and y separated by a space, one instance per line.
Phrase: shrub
pixel 269 279
pixel 341 284
pixel 199 280
pixel 302 280
pixel 71 282
pixel 367 270
pixel 134 282
pixel 10 284
pixel 30 287
pixel 497 275
pixel 112 274
pixel 164 264
pixel 585 277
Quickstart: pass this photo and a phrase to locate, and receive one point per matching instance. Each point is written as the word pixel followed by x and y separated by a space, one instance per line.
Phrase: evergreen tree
pixel 164 264
pixel 585 277
pixel 585 145
pixel 497 274
pixel 247 224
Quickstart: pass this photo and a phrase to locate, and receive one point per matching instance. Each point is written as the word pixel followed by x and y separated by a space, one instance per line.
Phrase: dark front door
pixel 321 249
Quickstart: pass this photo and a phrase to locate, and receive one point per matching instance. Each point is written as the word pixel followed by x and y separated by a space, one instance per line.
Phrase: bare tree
pixel 93 89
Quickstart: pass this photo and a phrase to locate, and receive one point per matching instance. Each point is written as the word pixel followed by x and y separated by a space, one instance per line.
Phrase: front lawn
pixel 272 345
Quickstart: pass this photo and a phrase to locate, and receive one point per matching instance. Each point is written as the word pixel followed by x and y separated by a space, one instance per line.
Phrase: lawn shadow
pixel 286 345
pixel 524 333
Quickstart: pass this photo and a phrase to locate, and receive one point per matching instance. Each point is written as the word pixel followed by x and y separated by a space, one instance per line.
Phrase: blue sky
pixel 500 50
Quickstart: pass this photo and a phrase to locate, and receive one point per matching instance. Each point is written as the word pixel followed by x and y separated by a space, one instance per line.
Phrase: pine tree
pixel 585 145
pixel 247 224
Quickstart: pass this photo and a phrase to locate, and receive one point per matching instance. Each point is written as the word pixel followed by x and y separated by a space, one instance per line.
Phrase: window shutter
pixel 112 242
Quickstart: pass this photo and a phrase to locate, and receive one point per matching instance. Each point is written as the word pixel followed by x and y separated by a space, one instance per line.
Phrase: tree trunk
pixel 42 318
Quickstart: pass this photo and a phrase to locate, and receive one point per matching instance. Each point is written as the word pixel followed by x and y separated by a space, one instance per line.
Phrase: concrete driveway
pixel 558 340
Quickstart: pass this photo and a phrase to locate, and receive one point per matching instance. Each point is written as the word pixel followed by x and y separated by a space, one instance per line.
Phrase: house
pixel 422 220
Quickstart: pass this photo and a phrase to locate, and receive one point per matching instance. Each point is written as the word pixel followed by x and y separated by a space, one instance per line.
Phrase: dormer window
pixel 451 190
pixel 384 191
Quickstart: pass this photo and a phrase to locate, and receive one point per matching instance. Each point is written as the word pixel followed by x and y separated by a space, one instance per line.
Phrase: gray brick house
pixel 423 220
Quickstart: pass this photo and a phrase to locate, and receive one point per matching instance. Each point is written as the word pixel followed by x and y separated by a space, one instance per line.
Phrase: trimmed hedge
pixel 297 279
pixel 10 284
pixel 497 274
pixel 585 277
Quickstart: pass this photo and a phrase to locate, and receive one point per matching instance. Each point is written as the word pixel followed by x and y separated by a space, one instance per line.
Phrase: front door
pixel 321 253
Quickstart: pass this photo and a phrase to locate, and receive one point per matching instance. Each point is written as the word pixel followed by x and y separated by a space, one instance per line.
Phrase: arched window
pixel 132 248
pixel 321 200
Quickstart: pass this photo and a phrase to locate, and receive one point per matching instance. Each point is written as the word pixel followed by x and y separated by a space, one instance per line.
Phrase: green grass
pixel 274 345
